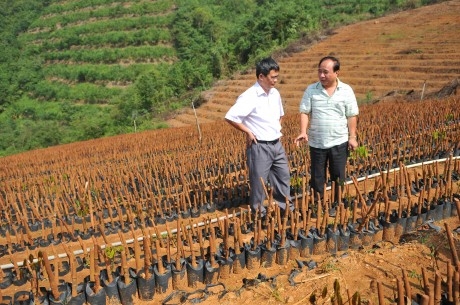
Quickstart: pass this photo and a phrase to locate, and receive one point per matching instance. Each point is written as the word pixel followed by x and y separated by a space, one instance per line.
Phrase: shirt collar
pixel 339 84
pixel 260 91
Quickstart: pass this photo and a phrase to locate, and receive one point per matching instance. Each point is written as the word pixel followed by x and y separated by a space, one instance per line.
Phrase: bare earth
pixel 397 52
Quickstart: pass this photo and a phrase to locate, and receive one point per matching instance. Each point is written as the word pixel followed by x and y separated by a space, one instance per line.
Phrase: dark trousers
pixel 269 162
pixel 334 159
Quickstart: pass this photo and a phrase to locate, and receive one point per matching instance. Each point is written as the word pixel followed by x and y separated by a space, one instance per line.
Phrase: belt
pixel 268 142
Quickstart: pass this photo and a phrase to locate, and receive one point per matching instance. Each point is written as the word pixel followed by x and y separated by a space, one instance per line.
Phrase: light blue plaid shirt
pixel 328 114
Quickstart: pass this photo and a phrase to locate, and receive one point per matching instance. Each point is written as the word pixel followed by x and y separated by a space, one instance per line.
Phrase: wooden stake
pixel 147 255
pixel 161 268
pixel 456 288
pixel 426 284
pixel 52 277
pixel 453 249
pixel 192 255
pixel 437 289
pixel 406 284
pixel 450 297
pixel 380 293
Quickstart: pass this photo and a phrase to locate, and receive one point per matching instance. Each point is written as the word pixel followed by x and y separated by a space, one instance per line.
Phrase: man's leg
pixel 337 164
pixel 318 169
pixel 280 176
pixel 259 162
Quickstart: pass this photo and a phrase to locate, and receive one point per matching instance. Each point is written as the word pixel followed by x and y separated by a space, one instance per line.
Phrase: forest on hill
pixel 72 70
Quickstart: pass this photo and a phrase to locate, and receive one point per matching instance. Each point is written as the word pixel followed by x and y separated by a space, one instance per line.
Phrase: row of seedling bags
pixel 111 218
pixel 23 235
pixel 205 254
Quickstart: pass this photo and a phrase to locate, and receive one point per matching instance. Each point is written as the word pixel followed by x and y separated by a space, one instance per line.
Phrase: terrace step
pixel 377 58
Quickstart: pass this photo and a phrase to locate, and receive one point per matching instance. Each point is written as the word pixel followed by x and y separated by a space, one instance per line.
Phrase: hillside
pixel 93 50
pixel 77 70
pixel 398 53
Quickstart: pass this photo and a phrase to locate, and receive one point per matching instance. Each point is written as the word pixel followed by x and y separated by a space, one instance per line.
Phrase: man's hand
pixel 250 138
pixel 352 143
pixel 302 136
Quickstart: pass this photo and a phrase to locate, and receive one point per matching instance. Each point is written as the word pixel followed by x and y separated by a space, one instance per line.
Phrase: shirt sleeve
pixel 240 110
pixel 351 106
pixel 280 104
pixel 305 102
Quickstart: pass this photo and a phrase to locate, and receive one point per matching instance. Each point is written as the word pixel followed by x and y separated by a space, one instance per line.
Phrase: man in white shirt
pixel 258 113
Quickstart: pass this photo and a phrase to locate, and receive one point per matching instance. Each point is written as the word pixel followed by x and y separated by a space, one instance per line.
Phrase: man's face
pixel 326 74
pixel 269 81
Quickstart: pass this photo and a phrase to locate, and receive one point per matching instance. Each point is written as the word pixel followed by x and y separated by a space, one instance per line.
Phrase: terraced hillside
pixel 92 50
pixel 74 70
pixel 394 53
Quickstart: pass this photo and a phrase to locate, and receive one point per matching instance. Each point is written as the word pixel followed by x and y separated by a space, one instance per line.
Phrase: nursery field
pixel 140 223
pixel 161 217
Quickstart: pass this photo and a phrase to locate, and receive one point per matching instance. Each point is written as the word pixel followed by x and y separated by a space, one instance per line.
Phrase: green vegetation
pixel 80 69
pixel 369 96
pixel 359 154
pixel 111 251
pixel 438 135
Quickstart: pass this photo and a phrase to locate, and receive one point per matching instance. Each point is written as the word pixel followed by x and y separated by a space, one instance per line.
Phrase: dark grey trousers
pixel 334 159
pixel 268 161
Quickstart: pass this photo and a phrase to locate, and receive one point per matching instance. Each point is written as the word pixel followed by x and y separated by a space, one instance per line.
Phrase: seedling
pixel 330 266
pixel 449 117
pixel 438 135
pixel 111 251
pixel 413 274
pixel 356 299
pixel 296 182
pixel 360 153
pixel 433 252
pixel 276 294
pixel 32 271
pixel 82 209
pixel 337 297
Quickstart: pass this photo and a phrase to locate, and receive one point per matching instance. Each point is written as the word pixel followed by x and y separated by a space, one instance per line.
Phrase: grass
pixel 330 266
pixel 369 96
pixel 413 274
pixel 393 36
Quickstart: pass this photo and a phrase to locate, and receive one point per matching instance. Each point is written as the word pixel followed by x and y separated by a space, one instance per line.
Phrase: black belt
pixel 268 142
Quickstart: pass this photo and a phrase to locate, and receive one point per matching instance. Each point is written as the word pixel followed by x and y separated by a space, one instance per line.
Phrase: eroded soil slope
pixel 399 52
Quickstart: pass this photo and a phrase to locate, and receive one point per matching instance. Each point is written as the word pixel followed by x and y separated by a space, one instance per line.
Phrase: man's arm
pixel 303 129
pixel 241 127
pixel 352 123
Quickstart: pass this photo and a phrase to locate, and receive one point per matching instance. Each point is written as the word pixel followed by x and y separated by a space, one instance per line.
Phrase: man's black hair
pixel 265 66
pixel 334 59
